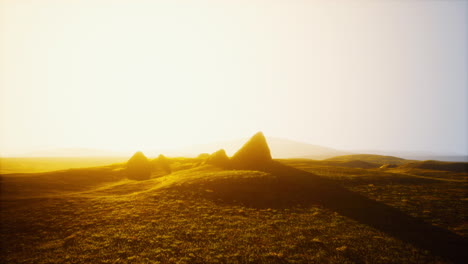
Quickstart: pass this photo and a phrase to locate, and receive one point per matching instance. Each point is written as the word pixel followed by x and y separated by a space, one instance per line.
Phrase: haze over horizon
pixel 121 75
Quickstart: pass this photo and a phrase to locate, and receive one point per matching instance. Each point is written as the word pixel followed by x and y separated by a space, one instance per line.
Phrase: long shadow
pixel 309 189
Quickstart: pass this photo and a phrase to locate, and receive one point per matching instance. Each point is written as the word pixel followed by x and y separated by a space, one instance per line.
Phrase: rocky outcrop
pixel 254 154
pixel 138 167
pixel 219 158
pixel 163 163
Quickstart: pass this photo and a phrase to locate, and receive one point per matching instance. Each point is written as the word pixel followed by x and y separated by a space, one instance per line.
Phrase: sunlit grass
pixel 181 227
pixel 176 218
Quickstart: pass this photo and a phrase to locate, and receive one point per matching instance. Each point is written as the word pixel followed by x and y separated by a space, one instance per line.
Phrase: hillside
pixel 275 216
pixel 378 159
pixel 331 163
pixel 438 165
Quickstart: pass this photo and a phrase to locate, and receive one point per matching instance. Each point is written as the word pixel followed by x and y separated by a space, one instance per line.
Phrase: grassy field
pixel 202 214
pixel 438 197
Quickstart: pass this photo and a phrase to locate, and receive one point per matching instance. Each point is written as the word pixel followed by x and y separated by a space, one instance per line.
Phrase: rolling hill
pixel 438 165
pixel 378 159
pixel 274 216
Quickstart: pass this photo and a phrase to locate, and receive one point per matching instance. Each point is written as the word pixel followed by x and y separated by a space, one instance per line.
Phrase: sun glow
pixel 126 75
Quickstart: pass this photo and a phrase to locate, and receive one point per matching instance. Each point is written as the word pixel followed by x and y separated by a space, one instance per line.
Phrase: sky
pixel 128 75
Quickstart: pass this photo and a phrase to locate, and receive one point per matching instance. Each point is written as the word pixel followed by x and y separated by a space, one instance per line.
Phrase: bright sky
pixel 128 75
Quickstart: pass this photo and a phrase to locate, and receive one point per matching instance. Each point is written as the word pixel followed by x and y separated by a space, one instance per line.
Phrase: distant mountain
pixel 74 152
pixel 280 149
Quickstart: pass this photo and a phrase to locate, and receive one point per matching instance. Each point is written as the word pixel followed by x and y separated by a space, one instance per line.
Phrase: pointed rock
pixel 163 163
pixel 219 158
pixel 138 167
pixel 254 154
pixel 203 156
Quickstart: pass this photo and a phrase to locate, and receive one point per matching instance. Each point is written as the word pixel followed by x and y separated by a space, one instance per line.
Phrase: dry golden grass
pixel 185 217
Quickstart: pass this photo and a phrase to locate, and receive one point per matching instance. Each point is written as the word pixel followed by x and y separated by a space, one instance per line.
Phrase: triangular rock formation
pixel 138 167
pixel 219 158
pixel 162 163
pixel 254 154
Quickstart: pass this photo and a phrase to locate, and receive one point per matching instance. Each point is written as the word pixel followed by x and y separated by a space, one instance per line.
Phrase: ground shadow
pixel 292 187
pixel 378 215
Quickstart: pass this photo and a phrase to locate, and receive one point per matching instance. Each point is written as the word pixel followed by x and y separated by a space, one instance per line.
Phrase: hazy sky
pixel 128 75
